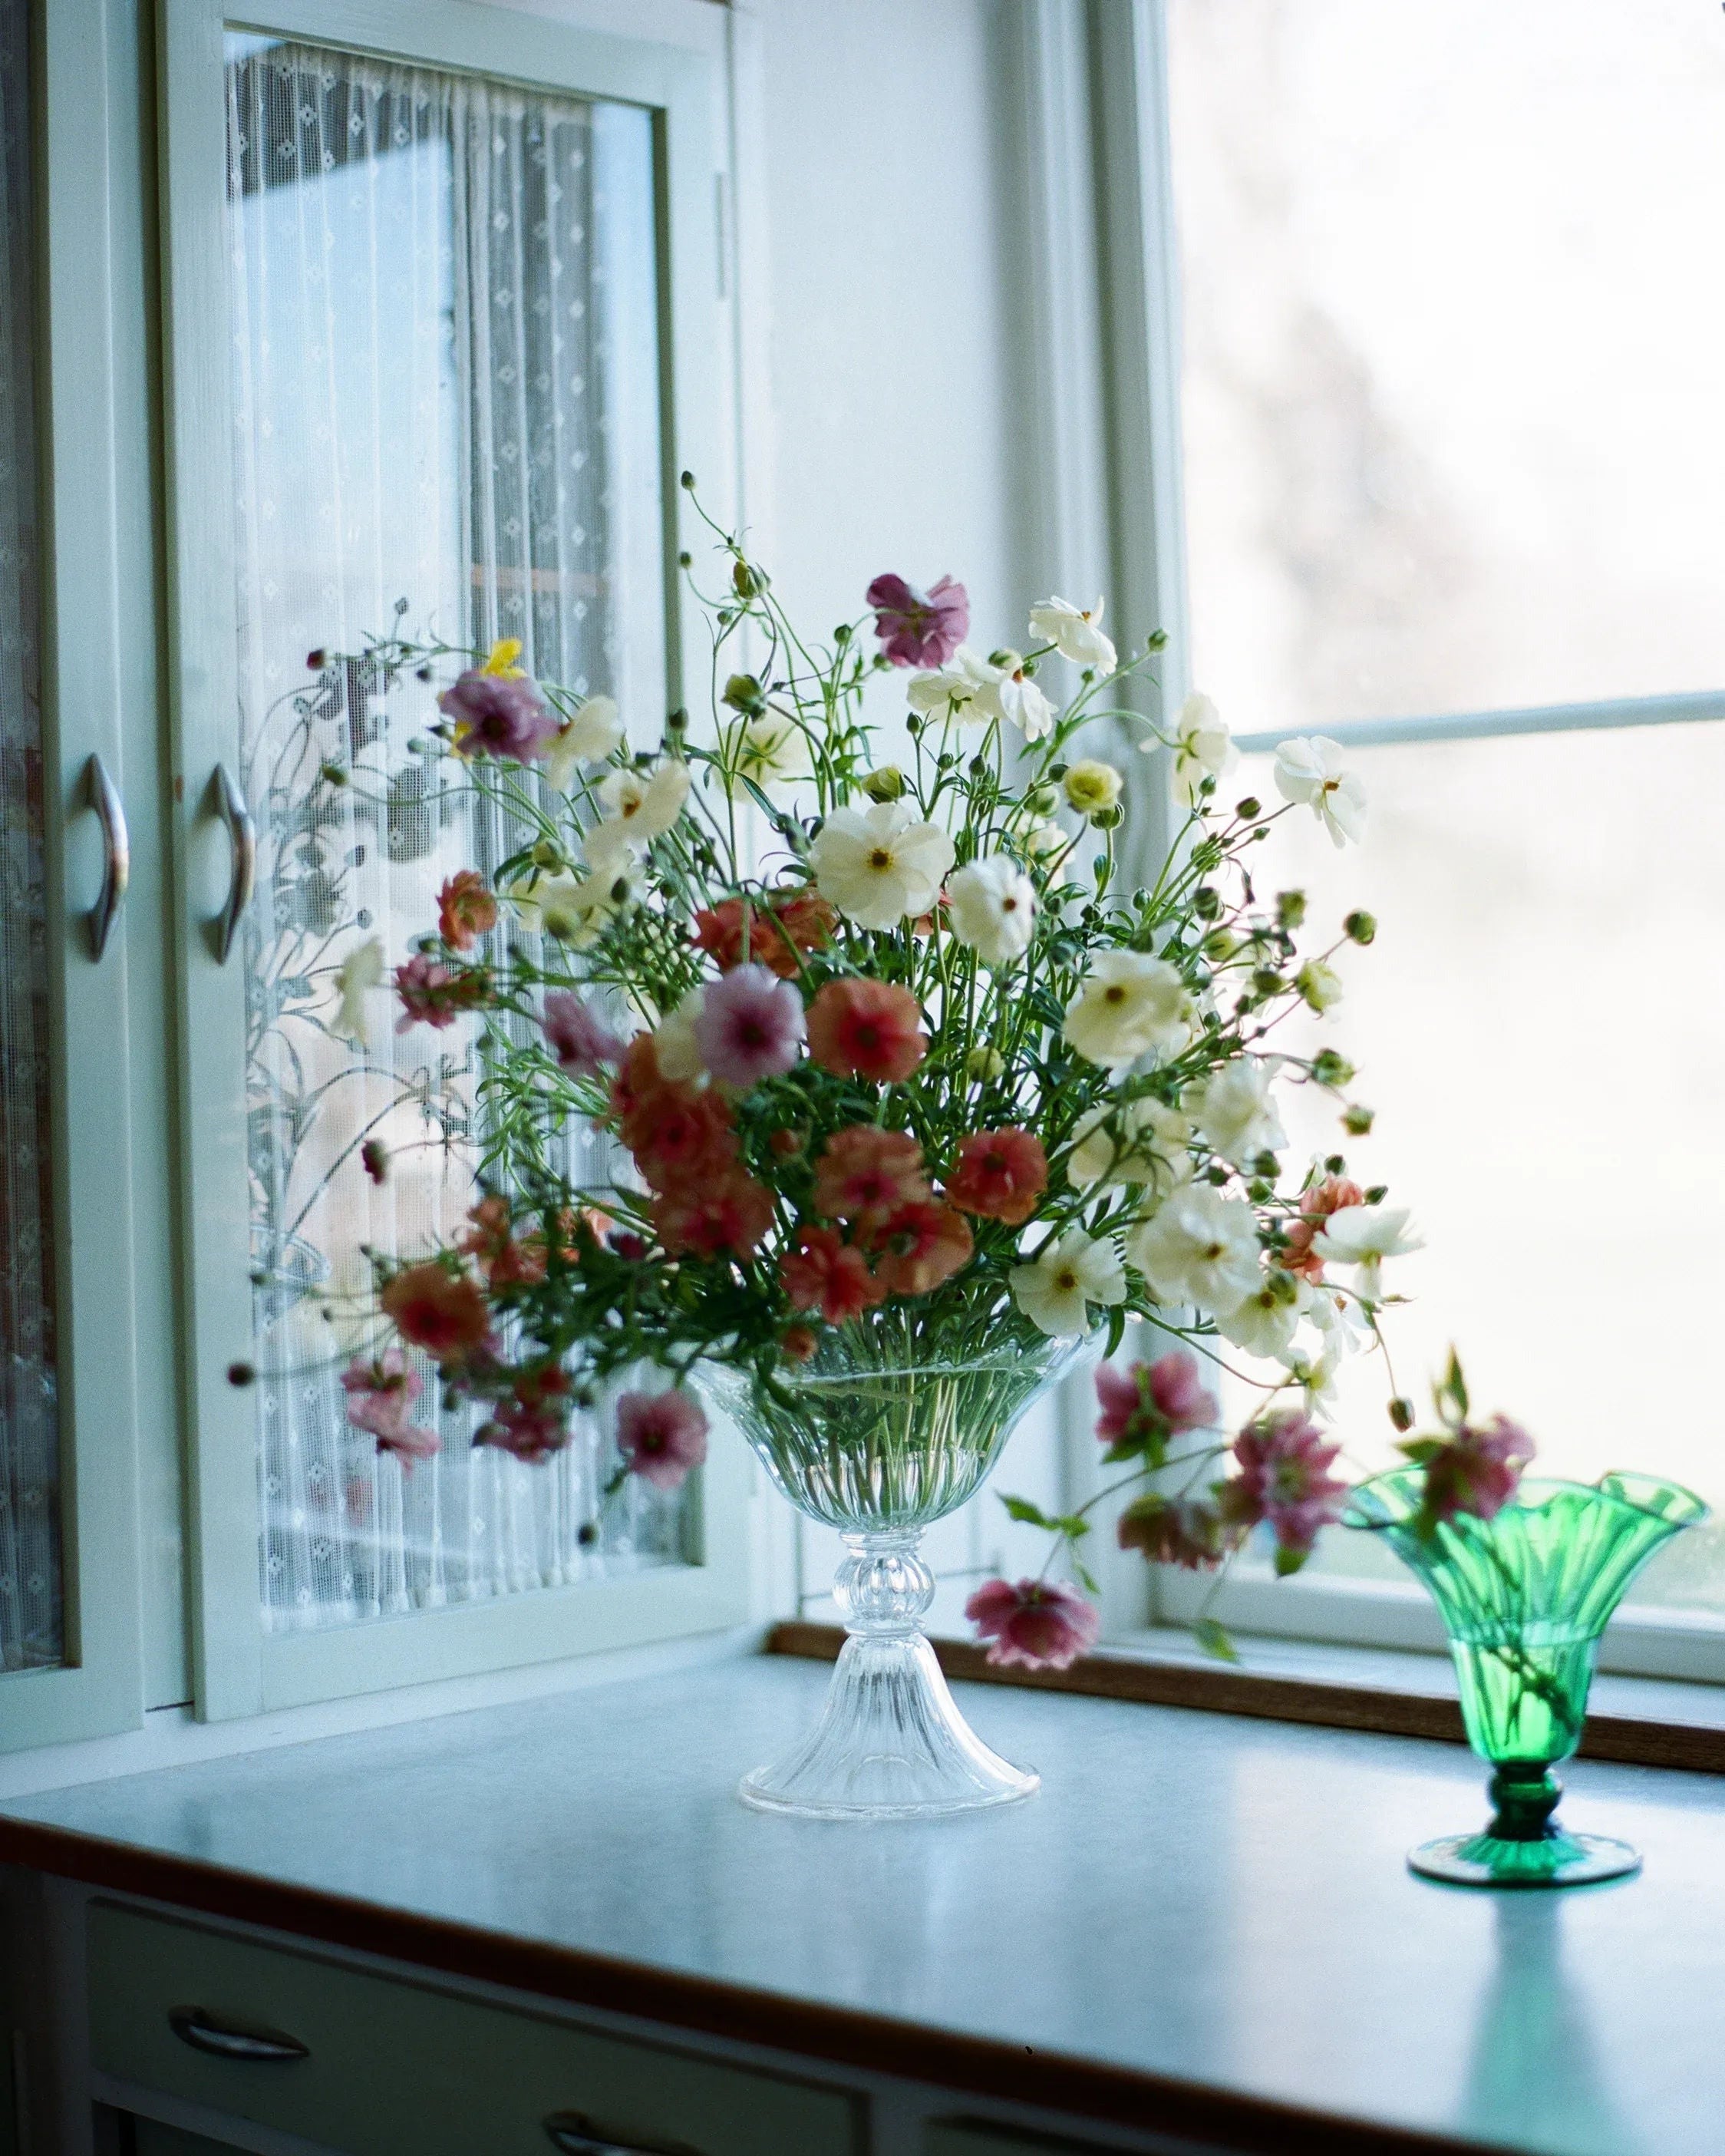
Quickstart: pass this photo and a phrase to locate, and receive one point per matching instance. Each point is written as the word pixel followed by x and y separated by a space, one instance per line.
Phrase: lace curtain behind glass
pixel 444 353
pixel 31 1631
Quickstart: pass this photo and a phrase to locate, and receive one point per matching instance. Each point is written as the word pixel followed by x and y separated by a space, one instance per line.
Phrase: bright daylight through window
pixel 1454 445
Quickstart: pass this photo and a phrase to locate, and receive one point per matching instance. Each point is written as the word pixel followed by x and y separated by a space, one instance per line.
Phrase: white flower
pixel 610 843
pixel 1203 748
pixel 1363 1236
pixel 1234 1111
pixel 1265 1322
pixel 1055 1290
pixel 1047 839
pixel 769 748
pixel 1202 1248
pixel 1309 769
pixel 589 737
pixel 1092 786
pixel 1075 631
pixel 674 1049
pixel 991 906
pixel 1339 1318
pixel 1143 1141
pixel 960 691
pixel 1315 1379
pixel 1128 1005
pixel 1320 986
pixel 878 864
pixel 359 972
pixel 648 802
pixel 1013 695
pixel 574 910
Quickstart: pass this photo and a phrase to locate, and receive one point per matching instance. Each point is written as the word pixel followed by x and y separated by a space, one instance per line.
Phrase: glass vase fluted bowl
pixel 1525 1597
pixel 888 1428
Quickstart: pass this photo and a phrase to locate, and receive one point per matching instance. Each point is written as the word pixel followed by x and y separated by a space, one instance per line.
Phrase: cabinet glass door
pixel 451 381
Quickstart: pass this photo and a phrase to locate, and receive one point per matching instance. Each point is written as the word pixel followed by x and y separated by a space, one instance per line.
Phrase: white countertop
pixel 1200 1898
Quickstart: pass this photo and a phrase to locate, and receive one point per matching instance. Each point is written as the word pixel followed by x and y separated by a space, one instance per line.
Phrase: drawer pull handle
pixel 242 839
pixel 576 2136
pixel 116 853
pixel 222 2038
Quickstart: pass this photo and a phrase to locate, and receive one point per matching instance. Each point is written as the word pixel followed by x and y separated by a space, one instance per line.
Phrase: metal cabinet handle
pixel 242 837
pixel 224 2039
pixel 116 853
pixel 577 2136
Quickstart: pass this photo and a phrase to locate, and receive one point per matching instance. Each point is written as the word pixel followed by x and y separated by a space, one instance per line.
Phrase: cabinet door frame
pixel 238 1669
pixel 96 701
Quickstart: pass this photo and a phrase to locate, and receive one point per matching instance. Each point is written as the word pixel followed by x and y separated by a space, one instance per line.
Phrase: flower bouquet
pixel 910 1102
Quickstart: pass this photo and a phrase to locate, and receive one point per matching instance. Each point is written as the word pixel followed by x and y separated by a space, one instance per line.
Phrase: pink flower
pixel 380 1396
pixel 533 1421
pixel 497 715
pixel 1039 1623
pixel 581 1045
pixel 661 1435
pixel 1152 1402
pixel 1477 1470
pixel 750 1026
pixel 864 1173
pixel 1183 1531
pixel 920 628
pixel 872 1029
pixel 1282 1477
pixel 434 994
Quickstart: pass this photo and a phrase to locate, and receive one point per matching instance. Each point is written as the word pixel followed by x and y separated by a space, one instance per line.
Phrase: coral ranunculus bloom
pixel 730 1213
pixel 869 1029
pixel 825 1274
pixel 1000 1175
pixel 864 1173
pixel 920 1245
pixel 779 931
pixel 466 910
pixel 438 1310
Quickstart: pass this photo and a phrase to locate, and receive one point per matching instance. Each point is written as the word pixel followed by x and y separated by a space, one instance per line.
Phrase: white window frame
pixel 1139 251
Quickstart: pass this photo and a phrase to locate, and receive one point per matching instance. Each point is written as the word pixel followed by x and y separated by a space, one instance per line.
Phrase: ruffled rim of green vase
pixel 1648 1495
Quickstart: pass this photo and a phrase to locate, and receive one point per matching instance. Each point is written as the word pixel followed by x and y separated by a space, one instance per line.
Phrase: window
pixel 1453 454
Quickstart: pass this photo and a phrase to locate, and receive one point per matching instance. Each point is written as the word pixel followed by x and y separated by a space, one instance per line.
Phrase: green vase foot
pixel 1560 1859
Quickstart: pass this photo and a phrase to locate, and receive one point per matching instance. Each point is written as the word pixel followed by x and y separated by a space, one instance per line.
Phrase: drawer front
pixel 952 2139
pixel 149 2138
pixel 392 2067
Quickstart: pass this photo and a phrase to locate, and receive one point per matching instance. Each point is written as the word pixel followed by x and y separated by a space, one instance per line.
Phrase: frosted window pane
pixel 446 414
pixel 1539 1029
pixel 31 1620
pixel 1452 318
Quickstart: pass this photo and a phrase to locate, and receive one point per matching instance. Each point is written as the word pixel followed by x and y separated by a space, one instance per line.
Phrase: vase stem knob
pixel 882 1586
pixel 1523 1801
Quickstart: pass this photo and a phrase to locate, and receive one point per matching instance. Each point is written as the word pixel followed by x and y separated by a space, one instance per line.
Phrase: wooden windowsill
pixel 1634 1722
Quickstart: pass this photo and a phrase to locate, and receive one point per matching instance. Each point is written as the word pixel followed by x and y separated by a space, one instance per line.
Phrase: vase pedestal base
pixel 890 1744
pixel 1557 1860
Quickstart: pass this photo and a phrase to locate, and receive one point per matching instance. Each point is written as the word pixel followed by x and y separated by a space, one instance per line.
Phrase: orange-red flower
pixel 919 1247
pixel 778 931
pixel 798 1343
pixel 491 1239
pixel 1330 1196
pixel 731 1212
pixel 864 1173
pixel 868 1028
pixel 1000 1175
pixel 678 1134
pixel 466 909
pixel 438 1310
pixel 825 1274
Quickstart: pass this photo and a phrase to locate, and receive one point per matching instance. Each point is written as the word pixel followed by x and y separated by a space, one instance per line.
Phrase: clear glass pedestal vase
pixel 1525 1597
pixel 885 1431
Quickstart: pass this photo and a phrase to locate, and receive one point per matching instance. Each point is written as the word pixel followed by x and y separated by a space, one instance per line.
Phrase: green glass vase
pixel 1525 1598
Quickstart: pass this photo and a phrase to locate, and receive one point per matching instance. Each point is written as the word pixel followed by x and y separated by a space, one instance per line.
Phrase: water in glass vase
pixel 885 1431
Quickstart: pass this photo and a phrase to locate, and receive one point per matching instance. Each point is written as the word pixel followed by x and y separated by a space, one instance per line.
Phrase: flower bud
pixel 1042 801
pixel 1357 1120
pixel 1360 927
pixel 1206 903
pixel 676 719
pixel 742 692
pixel 547 853
pixel 1377 1193
pixel 1290 908
pixel 1247 809
pixel 1329 1069
pixel 797 1343
pixel 688 480
pixel 985 1062
pixel 1336 1164
pixel 1265 1164
pixel 242 1374
pixel 1320 986
pixel 315 661
pixel 1221 943
pixel 1106 819
pixel 1266 981
pixel 1008 660
pixel 332 774
pixel 886 784
pixel 1401 1413
pixel 787 1144
pixel 747 582
pixel 685 560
